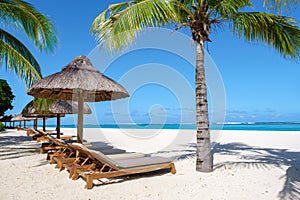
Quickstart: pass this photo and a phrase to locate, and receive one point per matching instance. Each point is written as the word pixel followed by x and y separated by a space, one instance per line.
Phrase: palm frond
pixel 118 29
pixel 17 57
pixel 277 31
pixel 38 28
pixel 119 6
pixel 279 5
pixel 224 8
pixel 190 4
pixel 43 105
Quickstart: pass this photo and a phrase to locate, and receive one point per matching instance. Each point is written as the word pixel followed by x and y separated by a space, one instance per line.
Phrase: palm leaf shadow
pixel 257 157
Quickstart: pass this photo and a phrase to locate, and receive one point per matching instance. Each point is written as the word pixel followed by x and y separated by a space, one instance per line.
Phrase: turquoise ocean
pixel 258 126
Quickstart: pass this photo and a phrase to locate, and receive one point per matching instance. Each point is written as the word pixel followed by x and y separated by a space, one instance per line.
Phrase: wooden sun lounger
pixel 31 131
pixel 21 129
pixel 60 157
pixel 54 145
pixel 62 137
pixel 105 167
pixel 86 162
pixel 42 136
pixel 65 151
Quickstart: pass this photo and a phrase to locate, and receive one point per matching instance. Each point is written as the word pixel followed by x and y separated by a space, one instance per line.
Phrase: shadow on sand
pixel 256 157
pixel 17 146
pixel 265 158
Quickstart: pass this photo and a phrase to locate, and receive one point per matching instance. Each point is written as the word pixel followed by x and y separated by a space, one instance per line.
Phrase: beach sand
pixel 247 165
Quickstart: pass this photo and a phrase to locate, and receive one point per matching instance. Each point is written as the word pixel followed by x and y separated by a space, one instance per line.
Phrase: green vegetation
pixel 6 97
pixel 118 26
pixel 21 16
pixel 1 126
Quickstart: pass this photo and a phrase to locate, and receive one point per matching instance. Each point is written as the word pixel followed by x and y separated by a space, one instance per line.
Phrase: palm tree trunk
pixel 204 162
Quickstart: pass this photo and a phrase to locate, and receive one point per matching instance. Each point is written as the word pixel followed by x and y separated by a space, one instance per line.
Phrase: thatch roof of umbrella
pixel 57 109
pixel 78 81
pixel 79 74
pixel 19 117
pixel 6 118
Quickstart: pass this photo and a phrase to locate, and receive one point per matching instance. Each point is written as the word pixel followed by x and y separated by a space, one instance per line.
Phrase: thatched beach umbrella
pixel 20 118
pixel 6 118
pixel 78 81
pixel 57 109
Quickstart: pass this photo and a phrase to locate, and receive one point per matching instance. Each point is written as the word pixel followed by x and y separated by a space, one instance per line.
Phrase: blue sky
pixel 259 84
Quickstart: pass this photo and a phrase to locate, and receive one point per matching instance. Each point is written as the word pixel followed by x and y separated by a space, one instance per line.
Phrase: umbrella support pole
pixel 35 124
pixel 58 127
pixel 44 124
pixel 80 117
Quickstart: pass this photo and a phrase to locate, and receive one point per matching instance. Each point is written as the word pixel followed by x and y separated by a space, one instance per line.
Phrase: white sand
pixel 247 165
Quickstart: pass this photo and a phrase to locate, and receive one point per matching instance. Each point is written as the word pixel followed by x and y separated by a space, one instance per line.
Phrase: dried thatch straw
pixel 19 117
pixel 6 118
pixel 80 74
pixel 57 107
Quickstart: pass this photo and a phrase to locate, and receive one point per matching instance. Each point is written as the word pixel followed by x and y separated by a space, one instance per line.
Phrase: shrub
pixel 1 126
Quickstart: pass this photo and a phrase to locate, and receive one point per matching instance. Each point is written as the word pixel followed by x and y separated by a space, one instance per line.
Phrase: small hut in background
pixel 19 118
pixel 58 108
pixel 7 119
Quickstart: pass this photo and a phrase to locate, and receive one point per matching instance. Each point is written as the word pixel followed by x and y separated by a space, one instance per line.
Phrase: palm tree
pixel 118 26
pixel 14 55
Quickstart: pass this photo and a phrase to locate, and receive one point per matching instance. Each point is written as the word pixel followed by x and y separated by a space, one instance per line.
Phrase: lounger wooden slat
pixel 75 165
pixel 106 167
pixel 53 145
pixel 42 136
pixel 90 176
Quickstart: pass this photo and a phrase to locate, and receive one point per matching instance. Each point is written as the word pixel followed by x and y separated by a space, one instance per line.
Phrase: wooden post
pixel 24 123
pixel 80 117
pixel 58 126
pixel 35 124
pixel 44 124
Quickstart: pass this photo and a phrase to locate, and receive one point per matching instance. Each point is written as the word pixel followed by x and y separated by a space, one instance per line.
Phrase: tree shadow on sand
pixel 265 158
pixel 17 146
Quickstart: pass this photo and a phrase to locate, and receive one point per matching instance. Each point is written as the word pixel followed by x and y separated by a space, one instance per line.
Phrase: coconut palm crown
pixel 119 25
pixel 14 55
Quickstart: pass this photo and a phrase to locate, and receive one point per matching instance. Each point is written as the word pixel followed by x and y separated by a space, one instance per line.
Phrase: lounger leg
pixel 172 168
pixel 61 168
pixel 52 161
pixel 89 182
pixel 75 176
pixel 41 150
pixel 71 172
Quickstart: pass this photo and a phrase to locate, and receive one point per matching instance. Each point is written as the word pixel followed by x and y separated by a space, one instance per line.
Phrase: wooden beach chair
pixel 85 161
pixel 21 129
pixel 36 134
pixel 105 167
pixel 66 154
pixel 65 151
pixel 53 145
pixel 31 131
pixel 42 136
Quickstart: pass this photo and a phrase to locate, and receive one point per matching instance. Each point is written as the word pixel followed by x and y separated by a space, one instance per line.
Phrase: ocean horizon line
pixel 259 126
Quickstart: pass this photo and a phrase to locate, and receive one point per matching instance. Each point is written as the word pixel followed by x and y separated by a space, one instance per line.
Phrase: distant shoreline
pixel 255 126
